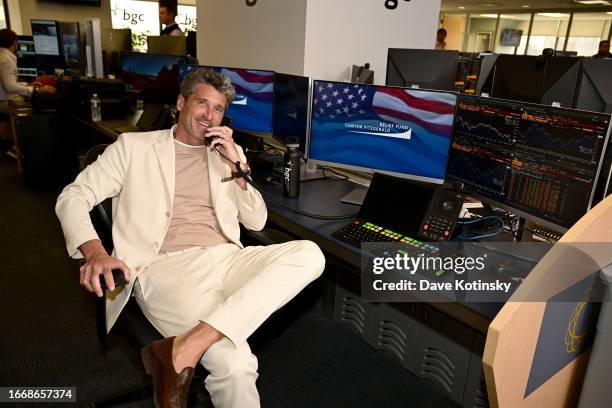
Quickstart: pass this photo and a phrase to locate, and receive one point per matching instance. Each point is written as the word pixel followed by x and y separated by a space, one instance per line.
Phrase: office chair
pixel 132 323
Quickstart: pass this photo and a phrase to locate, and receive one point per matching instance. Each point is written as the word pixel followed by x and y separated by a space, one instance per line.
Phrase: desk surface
pixel 107 127
pixel 323 197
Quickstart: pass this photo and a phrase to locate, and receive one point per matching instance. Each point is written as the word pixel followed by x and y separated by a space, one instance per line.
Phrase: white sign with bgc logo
pixel 142 17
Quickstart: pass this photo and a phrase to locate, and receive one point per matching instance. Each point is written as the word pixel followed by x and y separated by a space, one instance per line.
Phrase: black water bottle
pixel 291 171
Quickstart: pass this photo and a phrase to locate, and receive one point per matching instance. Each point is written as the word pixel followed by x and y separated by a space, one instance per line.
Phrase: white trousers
pixel 234 290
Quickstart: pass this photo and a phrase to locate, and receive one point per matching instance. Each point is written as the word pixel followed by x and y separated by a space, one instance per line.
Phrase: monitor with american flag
pixel 399 131
pixel 252 108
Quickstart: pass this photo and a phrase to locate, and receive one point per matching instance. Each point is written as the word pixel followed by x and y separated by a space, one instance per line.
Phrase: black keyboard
pixel 501 266
pixel 360 231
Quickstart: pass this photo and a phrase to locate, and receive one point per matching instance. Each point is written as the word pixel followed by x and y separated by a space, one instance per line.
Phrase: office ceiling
pixel 495 5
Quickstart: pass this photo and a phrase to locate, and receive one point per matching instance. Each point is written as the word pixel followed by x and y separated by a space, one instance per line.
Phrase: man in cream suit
pixel 176 210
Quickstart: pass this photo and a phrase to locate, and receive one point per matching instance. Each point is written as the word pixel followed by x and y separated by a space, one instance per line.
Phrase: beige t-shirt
pixel 193 222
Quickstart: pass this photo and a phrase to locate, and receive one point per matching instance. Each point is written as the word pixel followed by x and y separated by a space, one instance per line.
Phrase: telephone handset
pixel 226 121
pixel 441 216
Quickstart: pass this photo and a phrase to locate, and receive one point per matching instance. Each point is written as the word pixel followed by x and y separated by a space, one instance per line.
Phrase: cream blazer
pixel 138 171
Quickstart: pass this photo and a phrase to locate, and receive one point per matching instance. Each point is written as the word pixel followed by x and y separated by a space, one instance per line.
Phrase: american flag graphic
pixel 257 83
pixel 253 82
pixel 392 129
pixel 338 101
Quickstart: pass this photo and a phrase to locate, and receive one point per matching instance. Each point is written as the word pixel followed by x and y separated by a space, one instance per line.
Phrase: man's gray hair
pixel 217 80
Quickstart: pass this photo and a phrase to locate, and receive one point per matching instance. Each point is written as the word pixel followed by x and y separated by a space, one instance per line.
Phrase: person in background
pixel 8 69
pixel 167 14
pixel 604 50
pixel 9 85
pixel 441 39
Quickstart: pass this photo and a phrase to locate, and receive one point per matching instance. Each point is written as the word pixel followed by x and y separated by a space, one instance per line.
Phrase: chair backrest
pixel 536 352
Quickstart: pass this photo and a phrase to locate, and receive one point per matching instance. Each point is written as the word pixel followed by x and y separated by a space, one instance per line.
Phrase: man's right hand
pixel 99 262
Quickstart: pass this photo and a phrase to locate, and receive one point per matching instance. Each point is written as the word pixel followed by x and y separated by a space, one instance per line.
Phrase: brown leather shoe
pixel 170 389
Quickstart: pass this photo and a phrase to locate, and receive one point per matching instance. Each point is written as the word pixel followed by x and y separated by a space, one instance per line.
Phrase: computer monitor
pixel 167 44
pixel 46 45
pixel 151 77
pixel 485 77
pixel 362 74
pixel 429 69
pixel 594 93
pixel 399 131
pixel 252 108
pixel 540 162
pixel 291 108
pixel 93 49
pixel 114 41
pixel 511 37
pixel 46 38
pixel 70 47
pixel 536 79
pixel 468 70
pixel 26 59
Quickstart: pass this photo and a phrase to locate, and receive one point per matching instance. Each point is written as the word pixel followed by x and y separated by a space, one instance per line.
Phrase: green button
pixel 440 273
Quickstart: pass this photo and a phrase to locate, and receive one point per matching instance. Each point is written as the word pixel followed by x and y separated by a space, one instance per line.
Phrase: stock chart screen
pixel 541 160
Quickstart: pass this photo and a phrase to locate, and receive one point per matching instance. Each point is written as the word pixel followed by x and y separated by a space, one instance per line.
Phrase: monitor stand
pixel 355 197
pixel 311 172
